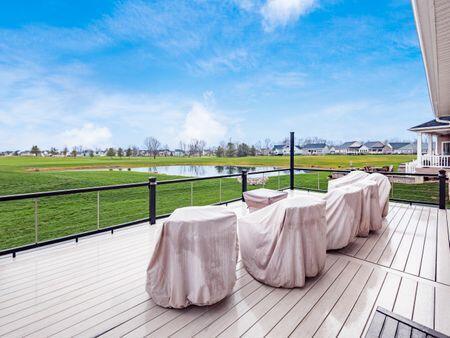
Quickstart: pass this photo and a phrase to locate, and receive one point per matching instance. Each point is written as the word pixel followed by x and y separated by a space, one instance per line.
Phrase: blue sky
pixel 100 73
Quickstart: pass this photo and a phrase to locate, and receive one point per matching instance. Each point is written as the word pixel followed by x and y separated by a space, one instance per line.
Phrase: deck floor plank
pixel 424 305
pixel 357 319
pixel 383 239
pixel 332 324
pixel 443 250
pixel 415 255
pixel 370 242
pixel 403 250
pixel 393 244
pixel 428 264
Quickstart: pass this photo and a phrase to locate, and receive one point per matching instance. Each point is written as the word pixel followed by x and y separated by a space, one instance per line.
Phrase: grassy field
pixel 64 215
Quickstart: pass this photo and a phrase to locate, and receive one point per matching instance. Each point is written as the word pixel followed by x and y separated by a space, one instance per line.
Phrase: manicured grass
pixel 64 215
pixel 329 161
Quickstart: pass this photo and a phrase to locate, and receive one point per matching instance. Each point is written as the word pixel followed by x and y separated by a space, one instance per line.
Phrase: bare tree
pixel 201 147
pixel 183 146
pixel 134 151
pixel 193 147
pixel 152 145
pixel 267 145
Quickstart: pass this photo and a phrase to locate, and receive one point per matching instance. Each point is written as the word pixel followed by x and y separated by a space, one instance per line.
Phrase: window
pixel 445 148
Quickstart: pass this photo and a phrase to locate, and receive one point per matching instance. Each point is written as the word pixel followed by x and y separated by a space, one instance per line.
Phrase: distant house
pixel 315 149
pixel 165 152
pixel 282 149
pixel 179 152
pixel 403 147
pixel 375 147
pixel 26 153
pixel 349 148
pixel 278 149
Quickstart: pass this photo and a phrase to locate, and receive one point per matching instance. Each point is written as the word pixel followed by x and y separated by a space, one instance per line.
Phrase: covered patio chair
pixel 384 190
pixel 351 177
pixel 285 242
pixel 194 261
pixel 344 208
pixel 371 215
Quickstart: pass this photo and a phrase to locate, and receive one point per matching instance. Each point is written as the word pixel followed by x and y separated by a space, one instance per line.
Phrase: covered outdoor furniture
pixel 194 261
pixel 260 198
pixel 384 189
pixel 285 242
pixel 344 207
pixel 351 177
pixel 371 215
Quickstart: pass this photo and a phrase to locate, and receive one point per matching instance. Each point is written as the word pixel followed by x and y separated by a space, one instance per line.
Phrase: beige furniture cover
pixel 194 261
pixel 344 207
pixel 285 242
pixel 371 216
pixel 384 190
pixel 351 177
pixel 260 198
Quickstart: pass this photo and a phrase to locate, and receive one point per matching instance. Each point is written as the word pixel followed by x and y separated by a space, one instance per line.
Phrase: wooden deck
pixel 96 287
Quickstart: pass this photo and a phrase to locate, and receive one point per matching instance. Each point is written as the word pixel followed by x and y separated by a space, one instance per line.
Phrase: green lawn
pixel 64 215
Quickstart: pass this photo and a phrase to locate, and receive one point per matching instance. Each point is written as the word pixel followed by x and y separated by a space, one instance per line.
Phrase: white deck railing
pixel 435 161
pixel 428 161
pixel 410 167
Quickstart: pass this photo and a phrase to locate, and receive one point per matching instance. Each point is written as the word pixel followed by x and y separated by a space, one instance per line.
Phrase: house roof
pixel 374 144
pixel 432 123
pixel 350 144
pixel 314 146
pixel 398 145
pixel 278 146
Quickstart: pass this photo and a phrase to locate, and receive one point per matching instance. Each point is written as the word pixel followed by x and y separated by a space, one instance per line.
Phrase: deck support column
pixel 244 175
pixel 291 161
pixel 152 200
pixel 419 149
pixel 442 186
pixel 430 144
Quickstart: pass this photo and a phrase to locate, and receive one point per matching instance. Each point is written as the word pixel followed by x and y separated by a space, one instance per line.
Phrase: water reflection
pixel 202 170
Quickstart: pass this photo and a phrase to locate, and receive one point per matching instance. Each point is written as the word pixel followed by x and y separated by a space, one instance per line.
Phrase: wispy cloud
pixel 233 61
pixel 282 12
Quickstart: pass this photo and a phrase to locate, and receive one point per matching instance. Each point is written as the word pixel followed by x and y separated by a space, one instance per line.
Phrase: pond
pixel 203 170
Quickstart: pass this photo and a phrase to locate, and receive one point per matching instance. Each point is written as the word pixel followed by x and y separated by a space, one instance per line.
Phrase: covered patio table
pixel 260 198
pixel 194 261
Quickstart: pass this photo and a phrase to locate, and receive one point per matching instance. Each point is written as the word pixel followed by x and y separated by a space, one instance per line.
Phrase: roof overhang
pixel 433 27
pixel 441 130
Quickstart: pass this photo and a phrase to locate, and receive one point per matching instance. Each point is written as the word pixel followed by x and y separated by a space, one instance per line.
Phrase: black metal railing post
pixel 291 162
pixel 152 199
pixel 244 175
pixel 442 191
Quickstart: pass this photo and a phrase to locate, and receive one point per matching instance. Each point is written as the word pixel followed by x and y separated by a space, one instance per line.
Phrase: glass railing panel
pixel 66 215
pixel 121 206
pixel 17 223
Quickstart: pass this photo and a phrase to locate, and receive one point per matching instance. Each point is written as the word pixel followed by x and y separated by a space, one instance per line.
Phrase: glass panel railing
pixel 415 188
pixel 312 180
pixel 17 223
pixel 121 206
pixel 60 216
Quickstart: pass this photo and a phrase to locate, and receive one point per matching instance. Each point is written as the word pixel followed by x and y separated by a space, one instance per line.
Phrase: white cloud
pixel 88 136
pixel 281 12
pixel 223 62
pixel 202 124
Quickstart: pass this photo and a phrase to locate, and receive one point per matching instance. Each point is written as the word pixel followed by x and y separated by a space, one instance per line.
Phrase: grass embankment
pixel 64 215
